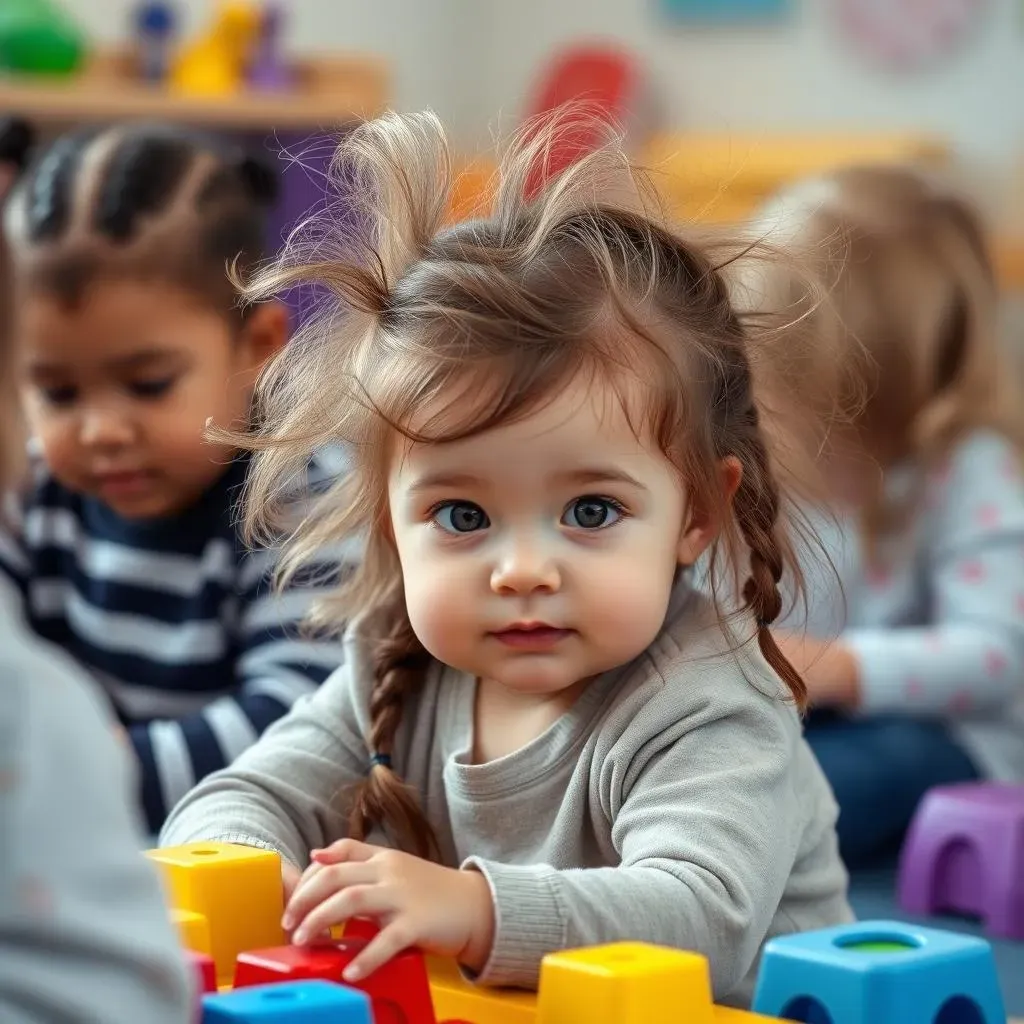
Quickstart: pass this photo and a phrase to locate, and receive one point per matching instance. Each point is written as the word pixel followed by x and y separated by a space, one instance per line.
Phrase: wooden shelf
pixel 329 91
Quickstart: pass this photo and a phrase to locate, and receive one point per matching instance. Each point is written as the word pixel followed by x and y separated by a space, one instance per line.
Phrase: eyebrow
pixel 585 477
pixel 133 361
pixel 590 475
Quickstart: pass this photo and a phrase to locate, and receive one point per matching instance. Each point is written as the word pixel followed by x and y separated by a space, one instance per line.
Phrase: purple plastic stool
pixel 964 853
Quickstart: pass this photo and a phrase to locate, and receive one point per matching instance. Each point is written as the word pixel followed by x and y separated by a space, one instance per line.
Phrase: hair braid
pixel 757 514
pixel 383 798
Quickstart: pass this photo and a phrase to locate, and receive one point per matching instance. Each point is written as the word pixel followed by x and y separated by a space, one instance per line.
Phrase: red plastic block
pixel 361 928
pixel 205 970
pixel 399 991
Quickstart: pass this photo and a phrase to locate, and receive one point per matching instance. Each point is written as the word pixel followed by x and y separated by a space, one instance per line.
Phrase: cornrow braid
pixel 155 200
pixel 382 798
pixel 50 184
pixel 141 177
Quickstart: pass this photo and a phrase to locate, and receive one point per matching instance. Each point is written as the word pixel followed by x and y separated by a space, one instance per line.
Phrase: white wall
pixel 798 75
pixel 474 59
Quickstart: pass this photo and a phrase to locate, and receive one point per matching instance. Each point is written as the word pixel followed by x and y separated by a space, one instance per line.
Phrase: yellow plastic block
pixel 726 1015
pixel 193 928
pixel 456 999
pixel 236 888
pixel 625 983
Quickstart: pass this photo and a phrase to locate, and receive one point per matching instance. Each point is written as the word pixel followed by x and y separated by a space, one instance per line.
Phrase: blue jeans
pixel 879 769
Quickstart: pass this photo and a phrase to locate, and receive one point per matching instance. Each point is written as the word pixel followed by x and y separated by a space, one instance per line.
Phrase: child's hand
pixel 829 668
pixel 416 903
pixel 290 876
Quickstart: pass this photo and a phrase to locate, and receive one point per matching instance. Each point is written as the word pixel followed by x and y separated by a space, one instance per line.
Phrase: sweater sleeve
pixel 282 793
pixel 971 656
pixel 707 831
pixel 274 667
pixel 84 935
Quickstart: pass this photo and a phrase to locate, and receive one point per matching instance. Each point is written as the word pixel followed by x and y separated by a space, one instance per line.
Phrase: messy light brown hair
pixel 911 311
pixel 487 320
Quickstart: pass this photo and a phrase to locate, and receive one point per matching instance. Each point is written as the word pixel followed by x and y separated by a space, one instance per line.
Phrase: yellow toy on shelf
pixel 214 64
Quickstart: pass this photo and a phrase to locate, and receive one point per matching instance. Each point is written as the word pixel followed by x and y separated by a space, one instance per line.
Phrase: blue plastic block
pixel 879 972
pixel 289 1002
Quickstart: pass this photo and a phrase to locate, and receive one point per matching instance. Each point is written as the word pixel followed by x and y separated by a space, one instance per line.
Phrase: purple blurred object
pixel 155 27
pixel 269 71
pixel 964 853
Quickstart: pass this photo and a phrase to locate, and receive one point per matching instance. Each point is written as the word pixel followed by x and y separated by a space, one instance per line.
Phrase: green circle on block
pixel 879 946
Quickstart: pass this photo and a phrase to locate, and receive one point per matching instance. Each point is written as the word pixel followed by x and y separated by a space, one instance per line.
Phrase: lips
pixel 531 636
pixel 126 483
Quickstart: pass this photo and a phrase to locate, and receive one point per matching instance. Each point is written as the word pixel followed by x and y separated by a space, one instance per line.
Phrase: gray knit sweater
pixel 675 803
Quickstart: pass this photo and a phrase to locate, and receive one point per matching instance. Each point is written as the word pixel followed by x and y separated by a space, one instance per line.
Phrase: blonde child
pixel 543 736
pixel 924 684
pixel 84 935
pixel 128 338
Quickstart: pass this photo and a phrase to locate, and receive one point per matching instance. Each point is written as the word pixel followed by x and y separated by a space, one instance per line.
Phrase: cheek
pixel 438 598
pixel 57 437
pixel 632 602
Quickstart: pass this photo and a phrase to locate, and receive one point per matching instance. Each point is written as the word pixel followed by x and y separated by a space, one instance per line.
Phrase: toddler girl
pixel 924 685
pixel 127 340
pixel 543 737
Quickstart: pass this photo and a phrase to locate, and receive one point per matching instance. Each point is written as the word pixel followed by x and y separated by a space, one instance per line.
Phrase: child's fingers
pixel 313 889
pixel 290 878
pixel 386 944
pixel 342 851
pixel 362 900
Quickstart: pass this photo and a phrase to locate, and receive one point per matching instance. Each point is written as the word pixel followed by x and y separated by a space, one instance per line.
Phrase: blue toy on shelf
pixel 880 972
pixel 289 1002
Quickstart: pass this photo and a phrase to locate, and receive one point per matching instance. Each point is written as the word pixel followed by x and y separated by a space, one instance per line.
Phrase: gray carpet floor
pixel 873 897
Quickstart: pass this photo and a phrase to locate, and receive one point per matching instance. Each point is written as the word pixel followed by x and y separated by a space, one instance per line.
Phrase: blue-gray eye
pixel 591 513
pixel 461 517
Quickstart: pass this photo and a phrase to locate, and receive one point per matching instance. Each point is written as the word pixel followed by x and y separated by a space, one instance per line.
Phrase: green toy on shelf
pixel 39 38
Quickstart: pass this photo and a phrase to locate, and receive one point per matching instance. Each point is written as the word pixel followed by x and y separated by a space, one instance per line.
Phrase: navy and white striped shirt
pixel 177 620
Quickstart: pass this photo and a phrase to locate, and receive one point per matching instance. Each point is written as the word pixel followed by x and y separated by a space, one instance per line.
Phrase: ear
pixel 703 524
pixel 263 335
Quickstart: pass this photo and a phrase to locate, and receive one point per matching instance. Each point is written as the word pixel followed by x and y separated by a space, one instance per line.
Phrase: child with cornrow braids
pixel 84 932
pixel 127 339
pixel 543 737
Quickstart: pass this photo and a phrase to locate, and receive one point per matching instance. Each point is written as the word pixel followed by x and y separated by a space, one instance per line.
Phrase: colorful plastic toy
pixel 399 991
pixel 880 972
pixel 205 971
pixel 269 71
pixel 236 888
pixel 155 25
pixel 214 65
pixel 37 37
pixel 870 973
pixel 297 1002
pixel 965 853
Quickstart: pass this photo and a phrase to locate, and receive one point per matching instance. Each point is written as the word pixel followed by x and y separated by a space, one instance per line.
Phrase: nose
pixel 103 427
pixel 525 567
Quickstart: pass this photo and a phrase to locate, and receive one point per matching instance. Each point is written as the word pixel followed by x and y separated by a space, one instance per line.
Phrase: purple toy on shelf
pixel 964 854
pixel 269 71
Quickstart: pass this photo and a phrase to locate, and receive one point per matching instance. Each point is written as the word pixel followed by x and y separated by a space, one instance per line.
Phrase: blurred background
pixel 726 98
